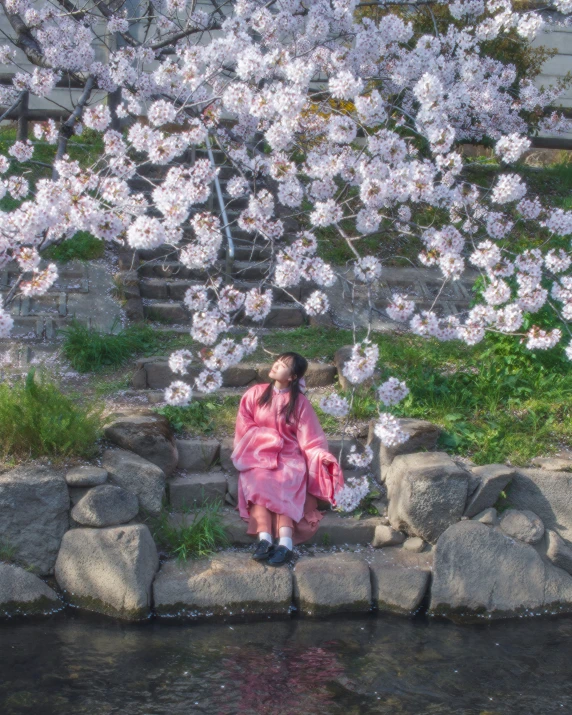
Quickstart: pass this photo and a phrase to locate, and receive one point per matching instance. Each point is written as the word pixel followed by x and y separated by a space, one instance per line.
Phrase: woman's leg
pixel 285 531
pixel 260 522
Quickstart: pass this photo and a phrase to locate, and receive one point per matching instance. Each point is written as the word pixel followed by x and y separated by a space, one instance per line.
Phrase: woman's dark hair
pixel 299 365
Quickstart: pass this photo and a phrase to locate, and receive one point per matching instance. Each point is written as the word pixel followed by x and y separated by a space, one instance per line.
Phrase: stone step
pixel 166 269
pixel 280 315
pixel 334 529
pixel 231 585
pixel 157 397
pixel 154 374
pixel 174 289
pixel 243 251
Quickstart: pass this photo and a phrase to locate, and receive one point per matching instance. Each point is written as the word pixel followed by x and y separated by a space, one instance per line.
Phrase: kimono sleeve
pixel 254 446
pixel 325 475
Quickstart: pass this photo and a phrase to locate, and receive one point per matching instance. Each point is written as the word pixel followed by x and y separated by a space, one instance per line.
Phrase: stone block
pixel 228 584
pixel 332 583
pixel 109 571
pixel 197 454
pixel 336 530
pixel 427 492
pixel 24 594
pixel 34 515
pixel 106 505
pixel 138 476
pixel 399 580
pixel 147 434
pixel 196 489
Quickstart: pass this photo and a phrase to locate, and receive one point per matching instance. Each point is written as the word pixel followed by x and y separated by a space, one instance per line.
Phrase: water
pixel 350 666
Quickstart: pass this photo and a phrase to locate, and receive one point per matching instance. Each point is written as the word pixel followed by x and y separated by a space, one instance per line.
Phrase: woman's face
pixel 281 370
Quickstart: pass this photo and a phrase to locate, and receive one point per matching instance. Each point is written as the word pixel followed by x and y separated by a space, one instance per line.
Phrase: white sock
pixel 264 535
pixel 285 541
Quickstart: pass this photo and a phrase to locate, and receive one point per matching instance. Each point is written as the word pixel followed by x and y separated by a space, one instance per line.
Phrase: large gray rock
pixel 34 504
pixel 197 454
pixel 332 583
pixel 558 551
pixel 427 493
pixel 106 505
pixel 547 494
pixel 481 572
pixel 22 593
pixel 522 525
pixel 399 580
pixel 109 570
pixel 423 437
pixel 138 476
pixel 492 480
pixel 226 584
pixel 86 476
pixel 147 434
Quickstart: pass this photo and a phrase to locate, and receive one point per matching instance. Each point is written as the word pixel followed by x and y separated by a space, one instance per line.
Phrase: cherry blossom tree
pixel 331 114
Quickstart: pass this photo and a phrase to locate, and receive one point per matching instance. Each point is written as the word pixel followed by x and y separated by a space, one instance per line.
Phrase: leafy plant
pixel 81 247
pixel 90 350
pixel 201 537
pixel 37 419
pixel 198 416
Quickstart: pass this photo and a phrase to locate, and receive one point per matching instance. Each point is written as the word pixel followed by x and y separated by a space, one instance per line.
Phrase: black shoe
pixel 263 550
pixel 281 555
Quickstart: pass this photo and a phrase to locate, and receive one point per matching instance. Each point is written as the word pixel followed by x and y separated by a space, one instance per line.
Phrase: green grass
pixel 81 247
pixel 496 401
pixel 37 419
pixel 91 350
pixel 198 416
pixel 201 537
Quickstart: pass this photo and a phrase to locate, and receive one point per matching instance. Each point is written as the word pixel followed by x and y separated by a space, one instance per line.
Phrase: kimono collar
pixel 301 382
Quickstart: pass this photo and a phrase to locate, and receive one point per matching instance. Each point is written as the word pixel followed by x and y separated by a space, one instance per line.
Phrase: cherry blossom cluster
pixel 332 121
pixel 351 494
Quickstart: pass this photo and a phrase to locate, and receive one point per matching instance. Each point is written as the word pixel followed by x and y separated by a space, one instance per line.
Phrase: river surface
pixel 348 666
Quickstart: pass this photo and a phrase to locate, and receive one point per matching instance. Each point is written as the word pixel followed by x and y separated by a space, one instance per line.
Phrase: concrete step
pixel 159 268
pixel 280 315
pixel 175 289
pixel 154 374
pixel 334 529
pixel 243 251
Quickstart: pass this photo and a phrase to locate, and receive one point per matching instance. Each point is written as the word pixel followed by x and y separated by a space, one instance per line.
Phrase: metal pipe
pixel 230 242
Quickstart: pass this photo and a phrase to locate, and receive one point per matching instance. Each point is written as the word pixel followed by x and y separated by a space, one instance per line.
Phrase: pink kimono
pixel 284 467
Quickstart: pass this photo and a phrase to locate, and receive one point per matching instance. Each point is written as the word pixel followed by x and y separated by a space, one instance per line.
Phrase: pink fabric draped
pixel 279 463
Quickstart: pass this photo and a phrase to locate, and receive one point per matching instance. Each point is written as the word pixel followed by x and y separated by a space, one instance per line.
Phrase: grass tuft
pixel 81 247
pixel 37 419
pixel 91 350
pixel 200 538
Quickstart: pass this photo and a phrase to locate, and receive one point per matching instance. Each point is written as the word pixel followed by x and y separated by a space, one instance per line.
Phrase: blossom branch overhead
pixel 332 115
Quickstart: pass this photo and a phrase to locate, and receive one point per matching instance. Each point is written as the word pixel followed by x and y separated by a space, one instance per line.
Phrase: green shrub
pixel 81 247
pixel 37 419
pixel 195 417
pixel 199 538
pixel 90 350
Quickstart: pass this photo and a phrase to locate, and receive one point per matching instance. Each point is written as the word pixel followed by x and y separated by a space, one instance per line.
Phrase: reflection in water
pixel 350 666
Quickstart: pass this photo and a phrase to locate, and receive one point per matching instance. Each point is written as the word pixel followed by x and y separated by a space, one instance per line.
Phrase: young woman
pixel 281 452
